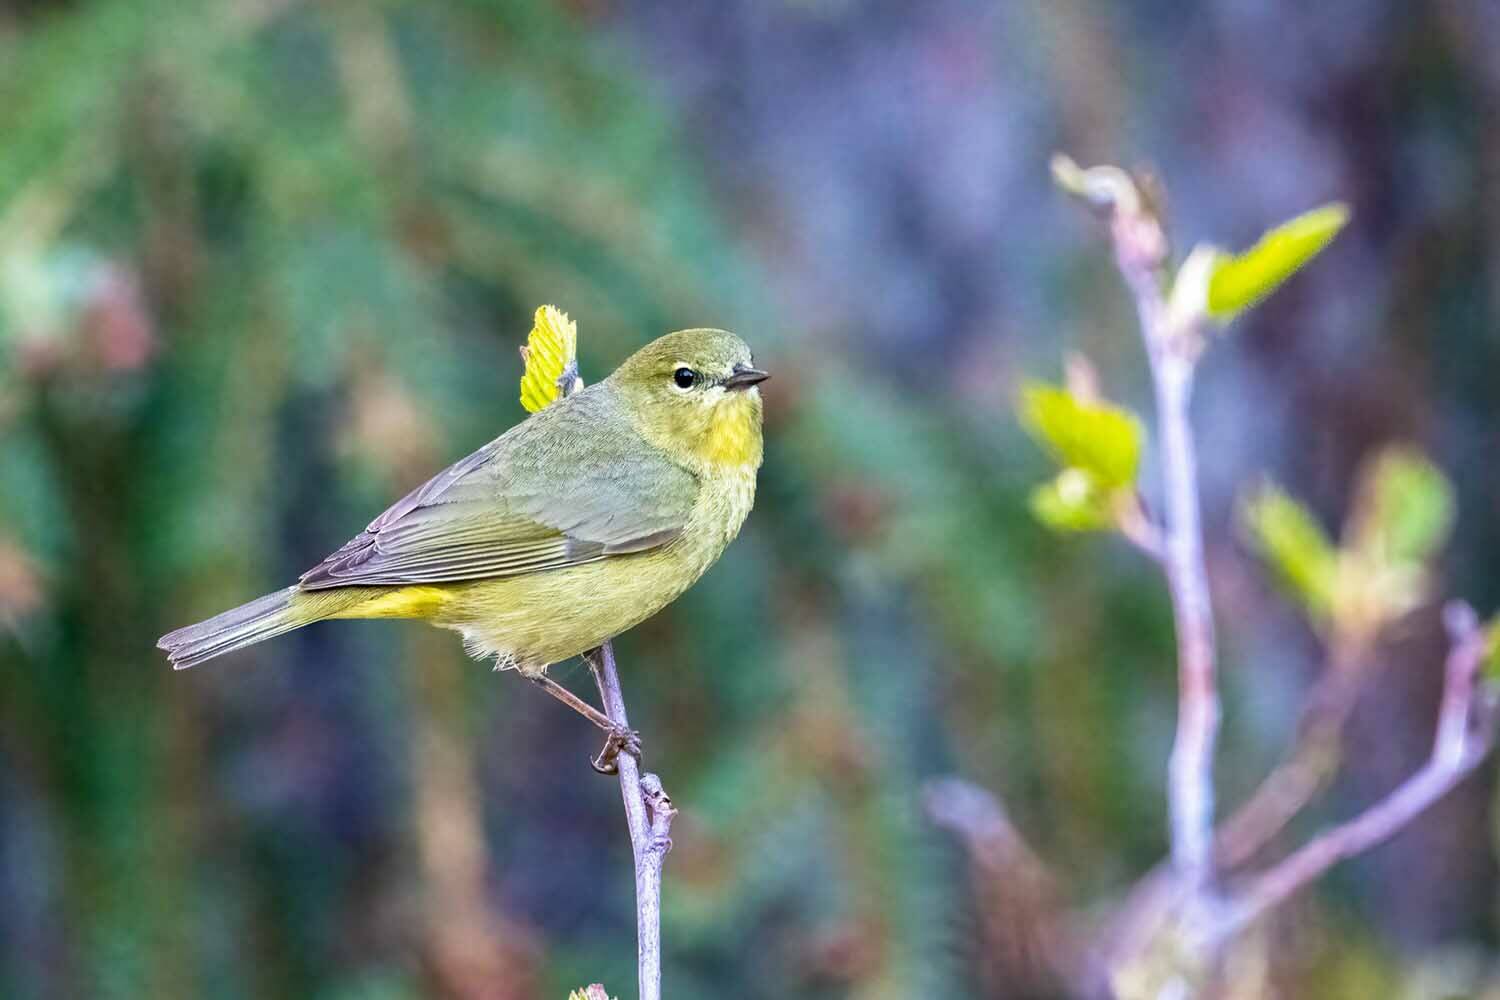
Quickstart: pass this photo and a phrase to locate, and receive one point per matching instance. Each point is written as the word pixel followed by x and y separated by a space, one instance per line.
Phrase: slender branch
pixel 975 816
pixel 1140 530
pixel 1191 768
pixel 1465 736
pixel 648 813
pixel 1140 252
pixel 1026 941
pixel 1306 769
pixel 1281 795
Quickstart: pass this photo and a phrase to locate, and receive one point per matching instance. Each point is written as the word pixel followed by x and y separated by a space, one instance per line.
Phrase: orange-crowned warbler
pixel 576 524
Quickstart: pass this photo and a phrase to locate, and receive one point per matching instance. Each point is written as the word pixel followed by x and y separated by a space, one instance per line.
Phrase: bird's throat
pixel 733 437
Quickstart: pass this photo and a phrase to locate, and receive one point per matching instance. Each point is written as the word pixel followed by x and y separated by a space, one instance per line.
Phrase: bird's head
pixel 693 393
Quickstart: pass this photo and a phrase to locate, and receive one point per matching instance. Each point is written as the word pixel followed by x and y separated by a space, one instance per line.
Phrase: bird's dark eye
pixel 684 378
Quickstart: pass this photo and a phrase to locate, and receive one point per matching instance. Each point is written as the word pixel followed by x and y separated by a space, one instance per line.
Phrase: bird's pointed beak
pixel 744 377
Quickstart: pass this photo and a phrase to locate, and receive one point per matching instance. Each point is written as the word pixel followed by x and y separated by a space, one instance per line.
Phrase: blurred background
pixel 265 264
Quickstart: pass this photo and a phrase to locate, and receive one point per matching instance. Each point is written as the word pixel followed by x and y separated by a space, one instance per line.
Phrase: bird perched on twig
pixel 573 526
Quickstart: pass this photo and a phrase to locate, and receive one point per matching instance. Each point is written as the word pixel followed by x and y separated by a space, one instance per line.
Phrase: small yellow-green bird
pixel 576 524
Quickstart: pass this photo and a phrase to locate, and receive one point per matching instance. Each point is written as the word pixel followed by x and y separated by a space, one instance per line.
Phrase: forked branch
pixel 1465 736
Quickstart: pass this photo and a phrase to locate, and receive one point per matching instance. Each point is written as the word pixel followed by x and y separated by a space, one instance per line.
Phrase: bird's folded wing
pixel 551 492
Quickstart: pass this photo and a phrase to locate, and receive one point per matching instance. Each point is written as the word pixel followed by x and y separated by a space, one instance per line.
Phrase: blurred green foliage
pixel 1100 440
pixel 1403 511
pixel 1404 508
pixel 1099 449
pixel 1295 546
pixel 1072 501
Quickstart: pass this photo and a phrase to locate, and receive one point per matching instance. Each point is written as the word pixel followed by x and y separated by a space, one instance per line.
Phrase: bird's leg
pixel 619 740
pixel 574 702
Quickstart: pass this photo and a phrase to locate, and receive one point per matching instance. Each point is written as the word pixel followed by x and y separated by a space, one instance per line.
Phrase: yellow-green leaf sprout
pixel 551 355
pixel 1294 545
pixel 1102 440
pixel 1404 508
pixel 1240 281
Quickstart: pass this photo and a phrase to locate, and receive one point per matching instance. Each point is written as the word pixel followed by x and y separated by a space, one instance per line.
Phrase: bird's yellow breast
pixel 733 437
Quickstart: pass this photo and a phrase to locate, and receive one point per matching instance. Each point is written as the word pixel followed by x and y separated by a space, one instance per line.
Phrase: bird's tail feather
pixel 262 618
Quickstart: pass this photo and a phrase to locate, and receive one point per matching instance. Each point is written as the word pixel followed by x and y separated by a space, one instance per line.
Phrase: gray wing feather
pixel 550 492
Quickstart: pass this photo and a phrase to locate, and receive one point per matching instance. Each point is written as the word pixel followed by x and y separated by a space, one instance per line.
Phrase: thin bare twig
pixel 648 813
pixel 1307 767
pixel 1465 736
pixel 1140 252
pixel 1026 943
pixel 1138 528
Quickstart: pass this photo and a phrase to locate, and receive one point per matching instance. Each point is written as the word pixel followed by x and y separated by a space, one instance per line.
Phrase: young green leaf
pixel 551 355
pixel 1101 440
pixel 1072 502
pixel 1242 280
pixel 1294 545
pixel 1403 509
